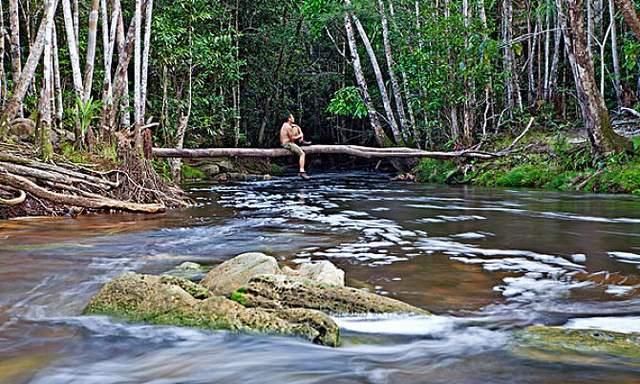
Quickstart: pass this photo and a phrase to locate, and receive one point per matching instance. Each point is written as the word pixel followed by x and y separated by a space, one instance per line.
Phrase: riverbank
pixel 552 162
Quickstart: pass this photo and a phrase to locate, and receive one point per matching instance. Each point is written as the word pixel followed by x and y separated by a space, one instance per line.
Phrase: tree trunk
pixel 57 80
pixel 14 42
pixel 44 115
pixel 109 43
pixel 614 54
pixel 91 50
pixel 381 137
pixel 386 103
pixel 395 85
pixel 555 61
pixel 628 10
pixel 512 87
pixel 138 120
pixel 145 58
pixel 594 111
pixel 27 73
pixel 123 76
pixel 121 82
pixel 3 75
pixel 74 56
pixel 183 123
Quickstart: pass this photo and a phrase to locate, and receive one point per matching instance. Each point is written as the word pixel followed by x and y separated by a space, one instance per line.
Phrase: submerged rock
pixel 236 272
pixel 175 301
pixel 280 292
pixel 189 270
pixel 581 341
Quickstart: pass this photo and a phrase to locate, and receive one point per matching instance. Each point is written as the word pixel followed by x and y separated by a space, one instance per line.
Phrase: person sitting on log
pixel 290 136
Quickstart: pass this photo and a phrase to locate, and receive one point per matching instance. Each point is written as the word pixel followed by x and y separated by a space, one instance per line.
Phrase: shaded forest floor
pixel 551 161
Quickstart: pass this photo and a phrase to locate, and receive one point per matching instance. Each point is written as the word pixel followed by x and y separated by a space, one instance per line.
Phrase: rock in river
pixel 280 291
pixel 175 301
pixel 581 341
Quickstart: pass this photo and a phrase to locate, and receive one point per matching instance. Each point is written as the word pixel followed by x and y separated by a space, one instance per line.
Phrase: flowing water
pixel 486 262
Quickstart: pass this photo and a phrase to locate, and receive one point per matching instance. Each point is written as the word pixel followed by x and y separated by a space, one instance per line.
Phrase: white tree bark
pixel 91 50
pixel 381 137
pixel 145 57
pixel 395 85
pixel 137 53
pixel 386 103
pixel 28 71
pixel 73 49
pixel 614 54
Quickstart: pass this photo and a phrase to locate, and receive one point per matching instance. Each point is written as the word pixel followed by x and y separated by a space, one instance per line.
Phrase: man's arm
pixel 296 132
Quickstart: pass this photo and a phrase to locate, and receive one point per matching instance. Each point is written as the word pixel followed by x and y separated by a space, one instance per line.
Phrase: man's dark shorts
pixel 293 148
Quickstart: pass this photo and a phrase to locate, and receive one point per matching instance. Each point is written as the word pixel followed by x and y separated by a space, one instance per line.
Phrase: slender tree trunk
pixel 122 77
pixel 555 61
pixel 386 103
pixel 14 42
pixel 76 21
pixel 145 58
pixel 91 50
pixel 594 111
pixel 614 54
pixel 73 49
pixel 381 137
pixel 183 123
pixel 3 75
pixel 121 81
pixel 512 87
pixel 109 43
pixel 137 62
pixel 28 71
pixel 44 120
pixel 395 85
pixel 57 79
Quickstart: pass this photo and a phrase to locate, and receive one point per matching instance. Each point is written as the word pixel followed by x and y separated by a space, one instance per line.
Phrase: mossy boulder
pixel 580 341
pixel 282 292
pixel 175 301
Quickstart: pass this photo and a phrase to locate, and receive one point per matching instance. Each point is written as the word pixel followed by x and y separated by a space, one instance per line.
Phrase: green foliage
pixel 526 175
pixel 348 102
pixel 85 112
pixel 192 173
pixel 163 168
pixel 434 171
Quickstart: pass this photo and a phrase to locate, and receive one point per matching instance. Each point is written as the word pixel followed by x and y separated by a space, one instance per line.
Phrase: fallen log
pixel 352 150
pixel 24 184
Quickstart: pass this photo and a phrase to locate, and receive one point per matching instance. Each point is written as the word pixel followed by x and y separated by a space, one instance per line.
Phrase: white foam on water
pixel 625 257
pixel 626 324
pixel 397 324
pixel 620 290
pixel 471 235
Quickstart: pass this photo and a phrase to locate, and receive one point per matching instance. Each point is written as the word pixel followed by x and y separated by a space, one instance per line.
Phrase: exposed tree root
pixel 66 188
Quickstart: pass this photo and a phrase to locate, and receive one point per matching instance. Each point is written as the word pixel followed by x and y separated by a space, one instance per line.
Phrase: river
pixel 486 262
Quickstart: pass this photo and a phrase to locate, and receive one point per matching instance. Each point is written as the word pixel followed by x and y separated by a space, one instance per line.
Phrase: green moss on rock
pixel 582 341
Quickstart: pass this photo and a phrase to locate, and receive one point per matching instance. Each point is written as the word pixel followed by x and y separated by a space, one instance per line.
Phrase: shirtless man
pixel 291 133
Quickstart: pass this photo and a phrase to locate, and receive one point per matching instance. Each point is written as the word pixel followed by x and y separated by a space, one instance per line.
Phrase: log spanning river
pixel 487 262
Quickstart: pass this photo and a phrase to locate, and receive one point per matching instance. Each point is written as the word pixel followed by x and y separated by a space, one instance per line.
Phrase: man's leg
pixel 295 149
pixel 301 161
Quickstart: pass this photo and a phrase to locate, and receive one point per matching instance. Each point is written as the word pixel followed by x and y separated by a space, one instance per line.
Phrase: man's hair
pixel 286 116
